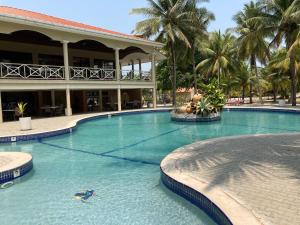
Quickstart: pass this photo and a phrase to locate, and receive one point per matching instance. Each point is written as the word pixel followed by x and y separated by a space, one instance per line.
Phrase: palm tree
pixel 167 21
pixel 244 78
pixel 283 17
pixel 202 18
pixel 217 54
pixel 278 69
pixel 251 42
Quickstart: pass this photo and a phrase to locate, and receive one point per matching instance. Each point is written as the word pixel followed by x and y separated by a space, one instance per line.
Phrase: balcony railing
pixel 47 72
pixel 85 73
pixel 30 71
pixel 135 75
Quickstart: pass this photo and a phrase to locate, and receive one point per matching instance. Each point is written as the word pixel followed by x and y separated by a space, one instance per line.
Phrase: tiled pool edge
pixel 7 176
pixel 196 198
pixel 71 128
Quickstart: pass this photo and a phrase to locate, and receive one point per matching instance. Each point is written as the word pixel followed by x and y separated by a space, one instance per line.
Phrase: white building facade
pixel 64 67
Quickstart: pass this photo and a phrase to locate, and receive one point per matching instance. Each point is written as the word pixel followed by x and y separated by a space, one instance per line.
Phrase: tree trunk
pixel 275 92
pixel 174 74
pixel 253 62
pixel 293 78
pixel 219 75
pixel 243 92
pixel 251 91
pixel 254 68
pixel 292 69
pixel 194 65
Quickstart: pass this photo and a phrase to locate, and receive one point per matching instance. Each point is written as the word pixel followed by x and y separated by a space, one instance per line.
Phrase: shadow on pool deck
pixel 262 171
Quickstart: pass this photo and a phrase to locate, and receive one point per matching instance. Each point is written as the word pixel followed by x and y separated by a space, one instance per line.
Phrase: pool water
pixel 118 158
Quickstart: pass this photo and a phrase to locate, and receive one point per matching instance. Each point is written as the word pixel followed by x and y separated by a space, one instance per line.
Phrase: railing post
pixel 66 59
pixel 153 71
pixel 1 115
pixel 117 62
pixel 119 99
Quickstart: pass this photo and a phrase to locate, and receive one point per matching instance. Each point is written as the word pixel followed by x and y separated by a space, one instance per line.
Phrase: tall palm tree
pixel 217 54
pixel 202 18
pixel 251 39
pixel 278 69
pixel 167 21
pixel 243 77
pixel 283 18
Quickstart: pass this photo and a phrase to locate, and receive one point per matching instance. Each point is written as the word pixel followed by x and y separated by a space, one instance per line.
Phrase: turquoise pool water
pixel 119 158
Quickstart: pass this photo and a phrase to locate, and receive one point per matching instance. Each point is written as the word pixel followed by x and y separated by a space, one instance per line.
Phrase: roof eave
pixel 59 27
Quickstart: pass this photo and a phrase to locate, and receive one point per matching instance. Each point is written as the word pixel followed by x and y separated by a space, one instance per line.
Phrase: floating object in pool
pixel 83 196
pixel 7 185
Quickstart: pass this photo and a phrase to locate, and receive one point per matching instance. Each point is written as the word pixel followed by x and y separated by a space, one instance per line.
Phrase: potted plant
pixel 25 122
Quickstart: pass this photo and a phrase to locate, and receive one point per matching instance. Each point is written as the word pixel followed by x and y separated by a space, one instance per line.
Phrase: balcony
pixel 49 72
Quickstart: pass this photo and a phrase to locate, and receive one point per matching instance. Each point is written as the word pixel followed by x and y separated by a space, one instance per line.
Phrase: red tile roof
pixel 39 17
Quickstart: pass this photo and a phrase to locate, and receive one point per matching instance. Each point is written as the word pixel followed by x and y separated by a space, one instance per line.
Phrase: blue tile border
pixel 254 109
pixel 196 198
pixel 30 137
pixel 7 176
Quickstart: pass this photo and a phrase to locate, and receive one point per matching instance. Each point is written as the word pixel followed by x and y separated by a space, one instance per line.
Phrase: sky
pixel 115 14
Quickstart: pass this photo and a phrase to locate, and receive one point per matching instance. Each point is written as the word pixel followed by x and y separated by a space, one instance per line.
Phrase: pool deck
pixel 252 179
pixel 50 124
pixel 12 160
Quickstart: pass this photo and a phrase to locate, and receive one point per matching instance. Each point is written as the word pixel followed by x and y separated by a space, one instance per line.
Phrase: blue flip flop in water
pixel 83 196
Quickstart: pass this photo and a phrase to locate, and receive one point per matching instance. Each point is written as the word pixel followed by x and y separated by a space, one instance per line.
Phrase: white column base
pixel 154 98
pixel 119 100
pixel 68 111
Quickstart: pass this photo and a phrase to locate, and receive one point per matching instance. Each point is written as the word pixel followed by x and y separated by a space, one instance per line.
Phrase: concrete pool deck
pixel 252 179
pixel 10 129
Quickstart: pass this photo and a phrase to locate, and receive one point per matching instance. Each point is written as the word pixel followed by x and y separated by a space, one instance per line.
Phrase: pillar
pixel 1 115
pixel 141 97
pixel 35 58
pixel 119 99
pixel 52 98
pixel 100 102
pixel 68 110
pixel 66 59
pixel 153 71
pixel 117 63
pixel 140 68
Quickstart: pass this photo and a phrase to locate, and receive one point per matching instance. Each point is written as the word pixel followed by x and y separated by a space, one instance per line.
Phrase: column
pixel 66 59
pixel 119 99
pixel 35 58
pixel 117 63
pixel 1 116
pixel 52 98
pixel 100 102
pixel 68 110
pixel 153 71
pixel 140 68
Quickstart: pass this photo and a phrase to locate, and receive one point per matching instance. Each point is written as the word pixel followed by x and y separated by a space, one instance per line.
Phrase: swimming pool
pixel 119 158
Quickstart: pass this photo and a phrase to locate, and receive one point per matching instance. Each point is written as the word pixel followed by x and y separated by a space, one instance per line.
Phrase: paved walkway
pixel 52 123
pixel 250 178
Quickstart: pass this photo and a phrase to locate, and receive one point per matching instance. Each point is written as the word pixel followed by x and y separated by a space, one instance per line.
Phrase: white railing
pixel 31 71
pixel 47 72
pixel 135 75
pixel 85 73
